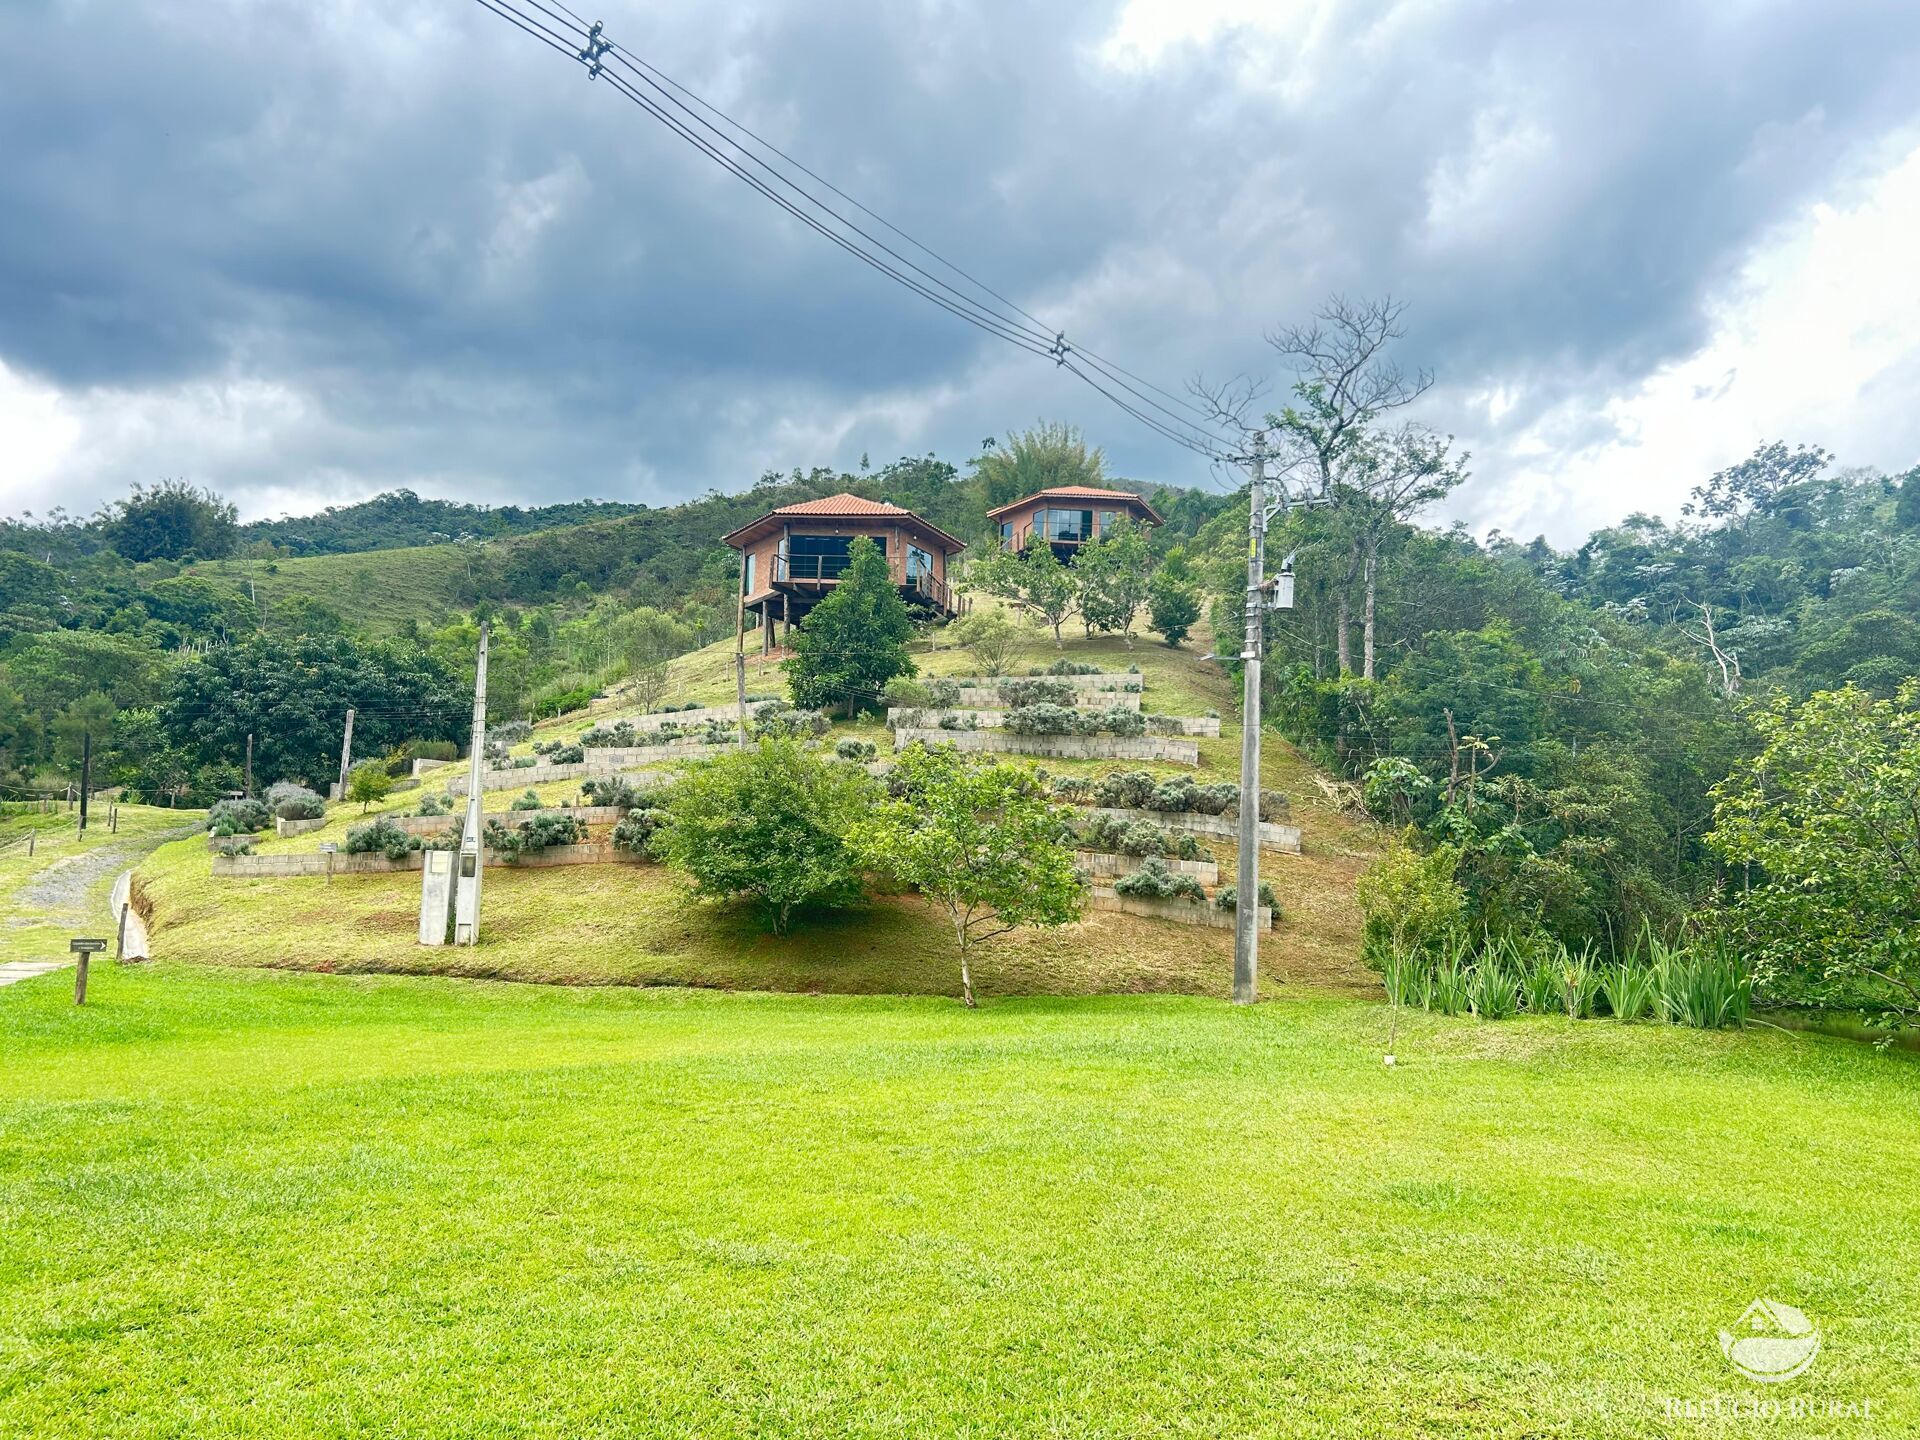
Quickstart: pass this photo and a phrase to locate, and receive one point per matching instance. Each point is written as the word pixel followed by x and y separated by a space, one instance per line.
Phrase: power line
pixel 1006 321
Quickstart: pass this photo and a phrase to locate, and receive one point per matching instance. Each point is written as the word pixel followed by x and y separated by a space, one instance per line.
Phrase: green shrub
pixel 1228 896
pixel 560 702
pixel 528 801
pixel 292 801
pixel 566 755
pixel 530 837
pixel 234 848
pixel 1124 790
pixel 613 790
pixel 1021 694
pixel 381 836
pixel 237 817
pixel 1627 987
pixel 1705 986
pixel 1074 789
pixel 434 803
pixel 1069 667
pixel 621 735
pixel 508 732
pixel 1153 881
pixel 636 831
pixel 859 751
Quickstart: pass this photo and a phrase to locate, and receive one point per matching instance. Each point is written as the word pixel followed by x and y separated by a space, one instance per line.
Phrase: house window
pixel 1006 533
pixel 746 574
pixel 817 557
pixel 1067 526
pixel 919 564
pixel 1106 522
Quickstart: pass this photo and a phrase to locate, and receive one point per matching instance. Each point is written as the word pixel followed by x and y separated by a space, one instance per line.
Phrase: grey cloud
pixel 476 270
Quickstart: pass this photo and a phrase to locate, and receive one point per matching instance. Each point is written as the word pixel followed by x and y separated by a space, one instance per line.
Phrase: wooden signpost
pixel 84 950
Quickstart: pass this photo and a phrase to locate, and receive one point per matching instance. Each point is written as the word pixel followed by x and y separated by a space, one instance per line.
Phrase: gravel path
pixel 70 892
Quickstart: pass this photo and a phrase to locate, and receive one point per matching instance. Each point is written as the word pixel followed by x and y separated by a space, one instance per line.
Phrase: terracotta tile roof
pixel 841 505
pixel 1076 492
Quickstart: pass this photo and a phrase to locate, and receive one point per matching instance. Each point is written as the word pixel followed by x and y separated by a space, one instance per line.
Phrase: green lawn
pixel 248 1203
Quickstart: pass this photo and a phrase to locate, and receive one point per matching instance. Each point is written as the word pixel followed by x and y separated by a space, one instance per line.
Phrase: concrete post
pixel 436 895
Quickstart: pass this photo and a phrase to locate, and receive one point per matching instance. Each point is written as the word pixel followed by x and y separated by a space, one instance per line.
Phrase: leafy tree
pixel 1113 577
pixel 367 782
pixel 766 824
pixel 1906 512
pixel 854 641
pixel 1041 458
pixel 1172 606
pixel 1031 580
pixel 994 643
pixel 1824 823
pixel 292 697
pixel 171 521
pixel 982 841
pixel 61 666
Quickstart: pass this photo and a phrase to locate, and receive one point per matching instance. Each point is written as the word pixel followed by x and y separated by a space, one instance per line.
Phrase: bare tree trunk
pixel 1342 650
pixel 966 982
pixel 1366 644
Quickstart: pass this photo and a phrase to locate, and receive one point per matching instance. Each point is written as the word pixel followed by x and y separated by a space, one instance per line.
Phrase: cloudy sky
pixel 305 250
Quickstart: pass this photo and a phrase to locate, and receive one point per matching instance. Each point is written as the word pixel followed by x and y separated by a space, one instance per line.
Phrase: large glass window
pixel 746 574
pixel 919 563
pixel 1071 526
pixel 817 557
pixel 1006 533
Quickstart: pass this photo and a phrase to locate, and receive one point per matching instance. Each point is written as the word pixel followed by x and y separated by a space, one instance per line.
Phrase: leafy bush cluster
pixel 1047 719
pixel 782 719
pixel 903 692
pixel 434 802
pixel 614 790
pixel 636 831
pixel 1138 790
pixel 292 801
pixel 1139 837
pixel 530 837
pixel 619 735
pixel 528 801
pixel 382 836
pixel 1228 896
pixel 1019 694
pixel 560 702
pixel 556 752
pixel 1154 881
pixel 859 751
pixel 237 816
pixel 1068 667
pixel 509 732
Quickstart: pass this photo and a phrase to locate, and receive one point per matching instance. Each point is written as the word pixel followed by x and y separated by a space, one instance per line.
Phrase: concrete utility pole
pixel 1262 596
pixel 86 774
pixel 466 900
pixel 346 753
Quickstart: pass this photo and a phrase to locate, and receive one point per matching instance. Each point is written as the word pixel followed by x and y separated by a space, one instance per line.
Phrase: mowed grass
pixel 269 1204
pixel 35 929
pixel 379 590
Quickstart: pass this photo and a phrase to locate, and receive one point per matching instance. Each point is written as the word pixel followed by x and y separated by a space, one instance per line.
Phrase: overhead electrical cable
pixel 995 315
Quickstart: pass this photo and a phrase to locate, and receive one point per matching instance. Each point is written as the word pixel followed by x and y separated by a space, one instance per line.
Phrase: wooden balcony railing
pixel 808 571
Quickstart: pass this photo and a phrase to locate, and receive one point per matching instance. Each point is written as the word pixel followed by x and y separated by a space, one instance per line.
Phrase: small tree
pixel 1113 576
pixel 1824 823
pixel 982 841
pixel 765 824
pixel 994 643
pixel 1172 607
pixel 855 640
pixel 369 781
pixel 1032 581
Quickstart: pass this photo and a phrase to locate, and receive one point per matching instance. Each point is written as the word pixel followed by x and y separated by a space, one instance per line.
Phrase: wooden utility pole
pixel 346 751
pixel 740 691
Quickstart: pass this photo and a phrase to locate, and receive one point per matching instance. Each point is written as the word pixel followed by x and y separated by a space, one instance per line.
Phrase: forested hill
pixel 400 518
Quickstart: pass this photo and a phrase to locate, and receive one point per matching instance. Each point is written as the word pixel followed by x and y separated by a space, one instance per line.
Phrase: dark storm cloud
pixel 459 264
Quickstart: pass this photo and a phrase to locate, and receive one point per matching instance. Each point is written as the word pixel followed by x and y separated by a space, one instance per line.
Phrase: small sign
pixel 85 947
pixel 327 847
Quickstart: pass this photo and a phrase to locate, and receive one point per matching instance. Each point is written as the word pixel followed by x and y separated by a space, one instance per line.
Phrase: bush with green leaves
pixel 859 751
pixel 530 837
pixel 241 816
pixel 1154 881
pixel 610 790
pixel 433 802
pixel 636 831
pixel 1124 789
pixel 765 823
pixel 620 735
pixel 961 720
pixel 1228 896
pixel 381 836
pixel 1073 789
pixel 290 800
pixel 1069 667
pixel 566 755
pixel 1139 838
pixel 509 733
pixel 1023 693
pixel 781 719
pixel 369 782
pixel 528 801
pixel 233 849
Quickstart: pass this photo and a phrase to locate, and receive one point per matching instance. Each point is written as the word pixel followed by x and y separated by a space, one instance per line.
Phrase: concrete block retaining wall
pixel 1098 862
pixel 1273 836
pixel 598 769
pixel 1181 912
pixel 585 814
pixel 1205 725
pixel 972 698
pixel 214 842
pixel 268 867
pixel 284 828
pixel 1078 682
pixel 1057 747
pixel 660 719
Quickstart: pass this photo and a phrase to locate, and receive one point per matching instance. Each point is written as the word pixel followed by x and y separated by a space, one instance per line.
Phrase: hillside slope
pixel 635 925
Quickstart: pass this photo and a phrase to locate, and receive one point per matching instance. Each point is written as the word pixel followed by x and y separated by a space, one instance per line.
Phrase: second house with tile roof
pixel 1068 516
pixel 791 558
